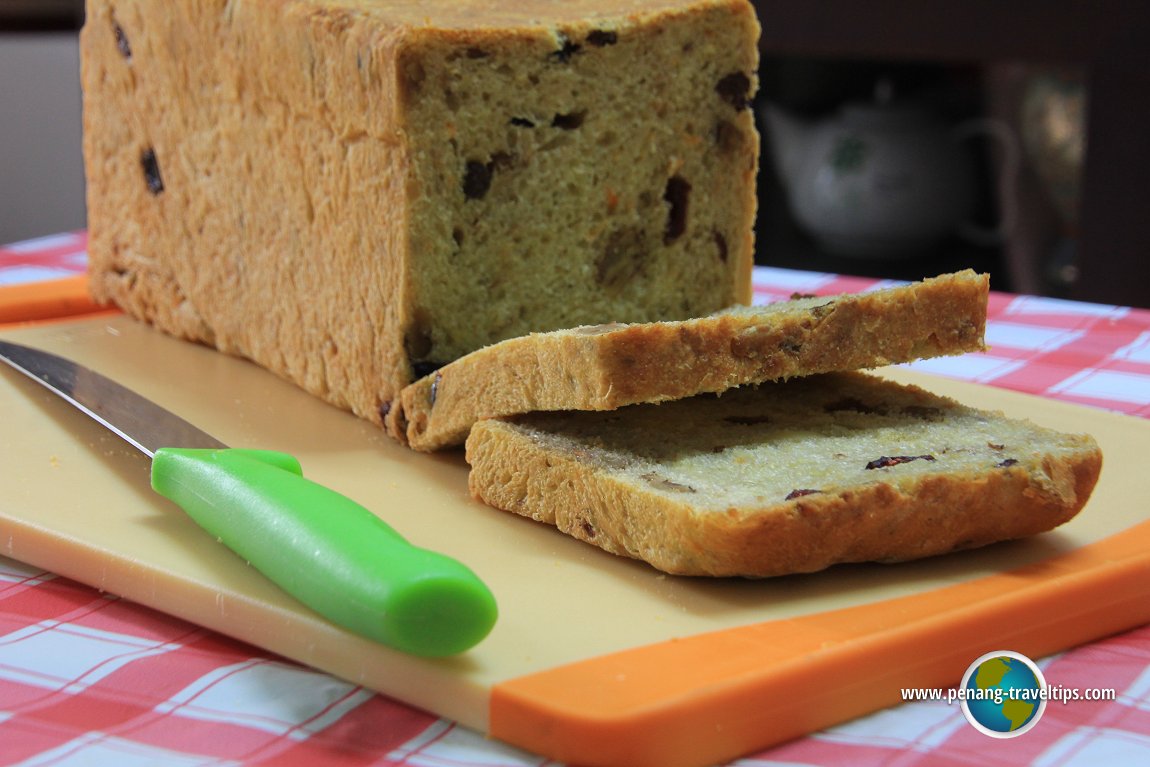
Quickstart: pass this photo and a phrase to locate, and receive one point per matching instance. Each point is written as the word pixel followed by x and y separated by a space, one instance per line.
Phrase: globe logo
pixel 1003 694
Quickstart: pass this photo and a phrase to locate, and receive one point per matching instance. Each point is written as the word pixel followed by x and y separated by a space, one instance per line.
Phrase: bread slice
pixel 353 192
pixel 603 367
pixel 786 477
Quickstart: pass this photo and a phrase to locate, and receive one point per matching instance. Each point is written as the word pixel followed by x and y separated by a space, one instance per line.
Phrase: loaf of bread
pixel 603 367
pixel 786 477
pixel 354 192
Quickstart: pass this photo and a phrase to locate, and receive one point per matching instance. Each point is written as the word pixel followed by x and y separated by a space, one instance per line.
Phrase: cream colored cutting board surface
pixel 76 500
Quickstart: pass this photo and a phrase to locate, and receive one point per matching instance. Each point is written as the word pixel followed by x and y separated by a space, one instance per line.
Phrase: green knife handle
pixel 327 551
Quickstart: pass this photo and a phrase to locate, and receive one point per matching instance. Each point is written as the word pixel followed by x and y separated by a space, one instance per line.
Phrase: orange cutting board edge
pixel 662 694
pixel 699 699
pixel 66 297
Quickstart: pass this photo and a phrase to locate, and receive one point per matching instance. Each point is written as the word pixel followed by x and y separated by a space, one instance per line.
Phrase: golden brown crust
pixel 605 367
pixel 636 506
pixel 348 192
pixel 214 209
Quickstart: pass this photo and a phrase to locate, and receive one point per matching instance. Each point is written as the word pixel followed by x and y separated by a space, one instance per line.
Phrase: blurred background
pixel 41 166
pixel 900 138
pixel 1045 103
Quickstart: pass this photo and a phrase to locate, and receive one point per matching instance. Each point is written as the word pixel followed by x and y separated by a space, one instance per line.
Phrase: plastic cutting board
pixel 595 660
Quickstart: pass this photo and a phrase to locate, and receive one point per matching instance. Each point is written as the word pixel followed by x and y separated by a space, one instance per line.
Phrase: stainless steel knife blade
pixel 141 422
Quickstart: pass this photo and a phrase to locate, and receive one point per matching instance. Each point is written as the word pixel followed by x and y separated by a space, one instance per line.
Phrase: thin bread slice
pixel 785 477
pixel 603 367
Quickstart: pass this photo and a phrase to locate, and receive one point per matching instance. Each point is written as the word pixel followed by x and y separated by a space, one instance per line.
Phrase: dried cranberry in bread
pixel 353 192
pixel 786 477
pixel 608 366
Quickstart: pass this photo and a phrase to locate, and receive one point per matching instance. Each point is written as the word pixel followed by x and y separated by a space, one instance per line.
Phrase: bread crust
pixel 584 489
pixel 609 366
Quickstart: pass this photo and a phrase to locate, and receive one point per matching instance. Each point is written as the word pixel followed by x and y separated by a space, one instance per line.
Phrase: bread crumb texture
pixel 353 193
pixel 785 477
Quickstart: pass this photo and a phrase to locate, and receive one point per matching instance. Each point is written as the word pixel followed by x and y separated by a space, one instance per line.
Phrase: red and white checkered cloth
pixel 43 259
pixel 1090 354
pixel 88 679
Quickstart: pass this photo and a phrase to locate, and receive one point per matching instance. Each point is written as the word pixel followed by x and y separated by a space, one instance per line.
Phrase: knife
pixel 324 549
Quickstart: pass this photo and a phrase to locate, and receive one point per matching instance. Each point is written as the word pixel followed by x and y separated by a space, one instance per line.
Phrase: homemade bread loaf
pixel 603 367
pixel 354 192
pixel 785 477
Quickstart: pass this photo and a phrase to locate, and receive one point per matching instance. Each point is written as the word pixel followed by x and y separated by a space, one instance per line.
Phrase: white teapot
pixel 880 179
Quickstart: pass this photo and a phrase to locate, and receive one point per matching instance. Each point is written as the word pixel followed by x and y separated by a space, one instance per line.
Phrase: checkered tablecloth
pixel 89 679
pixel 43 259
